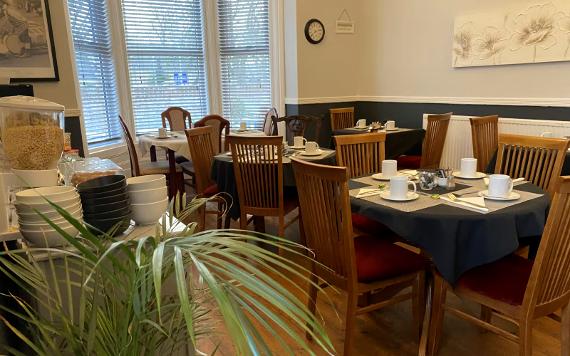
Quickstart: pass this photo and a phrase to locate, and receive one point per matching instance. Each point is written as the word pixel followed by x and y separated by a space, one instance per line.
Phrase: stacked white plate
pixel 149 198
pixel 33 226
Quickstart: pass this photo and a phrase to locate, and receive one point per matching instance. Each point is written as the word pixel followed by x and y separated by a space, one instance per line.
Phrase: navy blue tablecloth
pixel 459 239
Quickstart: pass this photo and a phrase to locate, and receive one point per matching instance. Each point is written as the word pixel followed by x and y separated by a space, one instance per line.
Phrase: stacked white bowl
pixel 149 198
pixel 33 226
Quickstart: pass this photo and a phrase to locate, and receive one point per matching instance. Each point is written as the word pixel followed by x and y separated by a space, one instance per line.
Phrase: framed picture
pixel 27 51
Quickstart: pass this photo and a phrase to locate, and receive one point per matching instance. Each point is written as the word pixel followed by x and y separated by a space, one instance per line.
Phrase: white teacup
pixel 311 147
pixel 547 134
pixel 389 168
pixel 162 132
pixel 361 123
pixel 390 124
pixel 468 167
pixel 399 187
pixel 299 141
pixel 500 186
pixel 243 125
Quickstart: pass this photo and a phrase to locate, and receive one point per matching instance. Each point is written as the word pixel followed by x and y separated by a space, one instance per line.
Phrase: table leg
pixel 174 180
pixel 153 153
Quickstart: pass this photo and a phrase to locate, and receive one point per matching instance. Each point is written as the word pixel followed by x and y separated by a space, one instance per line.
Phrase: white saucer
pixel 394 129
pixel 478 175
pixel 379 176
pixel 360 128
pixel 297 147
pixel 512 196
pixel 409 196
pixel 316 153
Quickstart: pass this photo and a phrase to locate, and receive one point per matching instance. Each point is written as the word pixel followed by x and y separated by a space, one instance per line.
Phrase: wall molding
pixel 545 102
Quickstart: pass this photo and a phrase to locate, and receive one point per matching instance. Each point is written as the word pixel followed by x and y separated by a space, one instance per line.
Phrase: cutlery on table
pixel 455 199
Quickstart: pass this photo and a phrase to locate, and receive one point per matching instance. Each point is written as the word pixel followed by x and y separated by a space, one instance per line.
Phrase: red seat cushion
pixel 211 191
pixel 409 162
pixel 372 227
pixel 504 280
pixel 378 259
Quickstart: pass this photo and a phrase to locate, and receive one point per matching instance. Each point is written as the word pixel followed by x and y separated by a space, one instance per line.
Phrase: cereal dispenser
pixel 31 131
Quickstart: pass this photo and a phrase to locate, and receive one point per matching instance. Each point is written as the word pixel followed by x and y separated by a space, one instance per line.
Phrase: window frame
pixel 212 66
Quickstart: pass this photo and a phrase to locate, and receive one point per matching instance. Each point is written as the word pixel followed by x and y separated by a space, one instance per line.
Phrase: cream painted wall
pixel 64 91
pixel 328 69
pixel 406 51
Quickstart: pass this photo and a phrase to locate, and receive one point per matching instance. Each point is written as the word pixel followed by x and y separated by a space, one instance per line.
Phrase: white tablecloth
pixel 177 143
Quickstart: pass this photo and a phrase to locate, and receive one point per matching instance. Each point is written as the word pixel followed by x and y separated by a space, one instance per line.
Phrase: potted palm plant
pixel 103 296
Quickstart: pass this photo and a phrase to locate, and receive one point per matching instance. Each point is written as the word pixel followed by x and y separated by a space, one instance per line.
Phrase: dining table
pixel 174 143
pixel 457 236
pixel 399 141
pixel 223 173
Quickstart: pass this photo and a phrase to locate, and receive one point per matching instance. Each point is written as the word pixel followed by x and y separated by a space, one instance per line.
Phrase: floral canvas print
pixel 534 33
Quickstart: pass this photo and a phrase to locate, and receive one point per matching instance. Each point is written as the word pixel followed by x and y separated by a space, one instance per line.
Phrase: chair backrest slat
pixel 361 154
pixel 202 153
pixel 432 148
pixel 221 129
pixel 325 208
pixel 258 167
pixel 485 137
pixel 133 157
pixel 549 282
pixel 537 159
pixel 342 118
pixel 177 119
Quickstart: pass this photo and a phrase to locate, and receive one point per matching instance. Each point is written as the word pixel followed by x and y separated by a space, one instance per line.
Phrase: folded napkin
pixel 465 202
pixel 368 192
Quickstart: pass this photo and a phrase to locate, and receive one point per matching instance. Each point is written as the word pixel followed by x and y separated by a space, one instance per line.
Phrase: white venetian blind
pixel 165 50
pixel 95 69
pixel 243 27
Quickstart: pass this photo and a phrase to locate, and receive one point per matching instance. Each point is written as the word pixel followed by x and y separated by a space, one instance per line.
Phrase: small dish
pixel 316 153
pixel 95 185
pixel 379 176
pixel 392 129
pixel 478 175
pixel 409 196
pixel 512 196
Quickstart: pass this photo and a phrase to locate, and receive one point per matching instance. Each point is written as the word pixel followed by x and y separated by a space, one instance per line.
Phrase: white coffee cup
pixel 547 134
pixel 361 123
pixel 162 132
pixel 399 187
pixel 311 147
pixel 389 168
pixel 500 186
pixel 299 141
pixel 468 167
pixel 390 124
pixel 243 125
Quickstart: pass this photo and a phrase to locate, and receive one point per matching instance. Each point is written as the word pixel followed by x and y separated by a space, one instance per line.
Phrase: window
pixel 243 27
pixel 95 69
pixel 165 50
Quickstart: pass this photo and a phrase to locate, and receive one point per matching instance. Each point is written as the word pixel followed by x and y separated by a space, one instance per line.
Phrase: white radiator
pixel 458 142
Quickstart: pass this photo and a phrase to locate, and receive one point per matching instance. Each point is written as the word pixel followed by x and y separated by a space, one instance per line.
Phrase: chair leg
pixel 419 302
pixel 486 315
pixel 438 311
pixel 525 338
pixel 203 217
pixel 219 214
pixel 243 221
pixel 565 331
pixel 350 322
pixel 312 302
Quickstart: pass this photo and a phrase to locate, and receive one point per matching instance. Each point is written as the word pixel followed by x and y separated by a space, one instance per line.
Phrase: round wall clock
pixel 314 31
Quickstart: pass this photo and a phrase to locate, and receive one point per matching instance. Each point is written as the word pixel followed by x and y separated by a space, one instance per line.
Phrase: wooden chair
pixel 258 167
pixel 146 168
pixel 299 125
pixel 516 289
pixel 341 118
pixel 537 159
pixel 202 150
pixel 362 154
pixel 177 118
pixel 268 121
pixel 221 130
pixel 432 147
pixel 357 265
pixel 485 136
